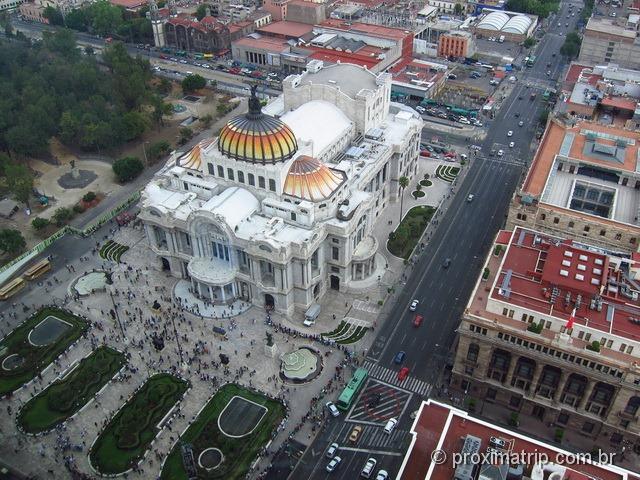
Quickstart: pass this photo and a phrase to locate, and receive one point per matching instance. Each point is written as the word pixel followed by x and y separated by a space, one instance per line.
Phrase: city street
pixel 464 236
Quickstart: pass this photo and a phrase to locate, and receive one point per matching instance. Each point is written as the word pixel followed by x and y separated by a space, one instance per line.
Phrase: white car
pixel 368 468
pixel 464 121
pixel 333 409
pixel 500 152
pixel 333 464
pixel 333 448
pixel 390 426
pixel 420 109
pixel 520 123
pixel 510 133
pixel 382 475
pixel 414 305
pixel 512 144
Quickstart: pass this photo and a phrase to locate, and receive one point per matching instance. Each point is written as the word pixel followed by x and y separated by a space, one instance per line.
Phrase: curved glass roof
pixel 518 24
pixel 494 21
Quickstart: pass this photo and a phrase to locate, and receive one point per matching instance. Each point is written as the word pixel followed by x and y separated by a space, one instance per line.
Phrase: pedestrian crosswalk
pixel 389 376
pixel 372 437
pixel 365 306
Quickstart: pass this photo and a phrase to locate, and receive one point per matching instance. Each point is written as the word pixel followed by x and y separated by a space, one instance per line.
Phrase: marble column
pixel 587 394
pixel 564 377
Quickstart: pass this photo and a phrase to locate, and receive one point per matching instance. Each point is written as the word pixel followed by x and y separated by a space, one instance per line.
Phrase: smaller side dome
pixel 310 179
pixel 193 158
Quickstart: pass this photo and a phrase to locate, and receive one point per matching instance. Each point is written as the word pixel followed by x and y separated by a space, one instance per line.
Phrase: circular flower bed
pixel 426 183
pixel 417 194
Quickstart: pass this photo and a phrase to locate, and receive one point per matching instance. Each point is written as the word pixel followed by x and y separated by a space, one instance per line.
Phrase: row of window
pixel 560 354
pixel 251 180
pixel 586 228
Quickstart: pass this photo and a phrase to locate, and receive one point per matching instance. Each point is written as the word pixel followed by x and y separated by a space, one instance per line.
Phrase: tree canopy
pixel 105 19
pixel 571 46
pixel 11 241
pixel 191 83
pixel 52 89
pixel 542 8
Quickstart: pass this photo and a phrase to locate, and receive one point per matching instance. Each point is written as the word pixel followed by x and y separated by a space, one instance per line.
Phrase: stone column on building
pixel 199 285
pixel 210 292
pixel 484 357
pixel 536 378
pixel 511 369
pixel 587 394
pixel 224 295
pixel 564 377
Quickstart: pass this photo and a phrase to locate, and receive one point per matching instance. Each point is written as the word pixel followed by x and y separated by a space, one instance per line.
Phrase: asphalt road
pixel 464 235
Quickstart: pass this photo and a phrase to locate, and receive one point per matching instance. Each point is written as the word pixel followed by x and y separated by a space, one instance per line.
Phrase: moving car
pixel 403 373
pixel 355 434
pixel 470 198
pixel 520 123
pixel 417 320
pixel 333 464
pixel 510 133
pixel 512 144
pixel 391 424
pixel 332 409
pixel 500 152
pixel 368 468
pixel 333 448
pixel 414 305
pixel 446 263
pixel 399 358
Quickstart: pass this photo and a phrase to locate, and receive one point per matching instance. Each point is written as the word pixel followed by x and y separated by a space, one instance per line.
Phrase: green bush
pixel 62 215
pixel 77 208
pixel 498 250
pixel 39 223
pixel 536 327
pixel 127 168
pixel 89 197
pixel 402 241
pixel 191 83
pixel 594 346
pixel 485 273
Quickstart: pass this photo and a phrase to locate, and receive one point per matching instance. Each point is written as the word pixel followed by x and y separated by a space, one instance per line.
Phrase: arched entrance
pixel 166 266
pixel 269 301
pixel 316 291
pixel 335 282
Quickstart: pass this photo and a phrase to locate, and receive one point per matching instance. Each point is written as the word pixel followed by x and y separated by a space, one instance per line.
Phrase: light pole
pixel 144 151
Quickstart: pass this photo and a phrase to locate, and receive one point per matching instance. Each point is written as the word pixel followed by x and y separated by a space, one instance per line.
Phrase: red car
pixel 450 154
pixel 417 320
pixel 425 153
pixel 234 70
pixel 403 373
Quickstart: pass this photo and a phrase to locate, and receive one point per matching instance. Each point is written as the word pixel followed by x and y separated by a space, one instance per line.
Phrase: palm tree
pixel 404 183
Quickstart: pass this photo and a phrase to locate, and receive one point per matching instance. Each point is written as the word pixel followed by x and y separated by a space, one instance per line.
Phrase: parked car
pixel 510 133
pixel 390 426
pixel 333 464
pixel 382 475
pixel 520 123
pixel 355 434
pixel 512 144
pixel 420 109
pixel 417 320
pixel 425 153
pixel 368 468
pixel 500 152
pixel 332 409
pixel 331 451
pixel 403 373
pixel 399 358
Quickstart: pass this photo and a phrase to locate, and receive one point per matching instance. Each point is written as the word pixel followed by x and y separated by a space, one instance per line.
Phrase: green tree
pixel 571 46
pixel 61 41
pixel 544 116
pixel 164 86
pixel 54 15
pixel 529 42
pixel 192 83
pixel 62 215
pixel 77 19
pixel 127 168
pixel 185 135
pixel 11 241
pixel 404 183
pixel 134 124
pixel 206 120
pixel 39 223
pixel 201 11
pixel 157 150
pixel 105 17
pixel 458 9
pixel 19 181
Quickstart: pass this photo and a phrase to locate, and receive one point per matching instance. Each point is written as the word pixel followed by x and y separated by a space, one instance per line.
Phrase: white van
pixel 390 426
pixel 311 315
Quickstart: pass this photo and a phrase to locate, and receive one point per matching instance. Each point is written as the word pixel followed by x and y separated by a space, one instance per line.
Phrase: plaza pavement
pixel 137 284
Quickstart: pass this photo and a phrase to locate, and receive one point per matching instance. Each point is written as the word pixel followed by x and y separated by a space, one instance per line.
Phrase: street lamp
pixel 144 151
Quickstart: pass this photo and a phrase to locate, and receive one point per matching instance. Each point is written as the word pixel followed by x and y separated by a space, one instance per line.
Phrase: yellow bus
pixel 11 288
pixel 38 269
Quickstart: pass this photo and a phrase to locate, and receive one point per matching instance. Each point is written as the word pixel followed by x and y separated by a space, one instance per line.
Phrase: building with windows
pixel 456 44
pixel 207 35
pixel 514 27
pixel 552 330
pixel 583 183
pixel 604 41
pixel 492 452
pixel 281 206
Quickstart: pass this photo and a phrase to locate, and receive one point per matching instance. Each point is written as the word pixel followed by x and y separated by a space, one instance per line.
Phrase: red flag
pixel 571 320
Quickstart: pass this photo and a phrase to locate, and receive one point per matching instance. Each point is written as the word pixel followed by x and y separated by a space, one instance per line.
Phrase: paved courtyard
pixel 123 317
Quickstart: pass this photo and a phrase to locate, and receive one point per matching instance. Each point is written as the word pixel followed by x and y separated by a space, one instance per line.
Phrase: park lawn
pixel 36 359
pixel 238 452
pixel 129 433
pixel 65 397
pixel 403 239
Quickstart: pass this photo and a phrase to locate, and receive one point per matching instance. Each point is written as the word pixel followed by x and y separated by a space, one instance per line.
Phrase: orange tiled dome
pixel 311 179
pixel 256 137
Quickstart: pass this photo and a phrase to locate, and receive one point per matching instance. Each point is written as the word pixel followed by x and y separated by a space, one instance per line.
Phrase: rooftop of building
pixel 261 42
pixel 287 29
pixel 367 28
pixel 581 72
pixel 450 430
pixel 553 276
pixel 351 79
pixel 417 74
pixel 128 4
pixel 589 143
pixel 608 26
pixel 207 23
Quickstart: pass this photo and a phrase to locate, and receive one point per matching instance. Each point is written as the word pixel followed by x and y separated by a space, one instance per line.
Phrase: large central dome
pixel 256 137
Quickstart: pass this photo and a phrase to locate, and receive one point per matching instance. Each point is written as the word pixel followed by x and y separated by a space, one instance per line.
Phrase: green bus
pixel 352 389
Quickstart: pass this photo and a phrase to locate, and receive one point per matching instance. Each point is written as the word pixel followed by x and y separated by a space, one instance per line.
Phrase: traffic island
pixel 130 433
pixel 34 344
pixel 237 422
pixel 404 238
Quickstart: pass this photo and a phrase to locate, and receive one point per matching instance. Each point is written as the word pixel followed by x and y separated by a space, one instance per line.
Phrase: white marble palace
pixel 281 205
